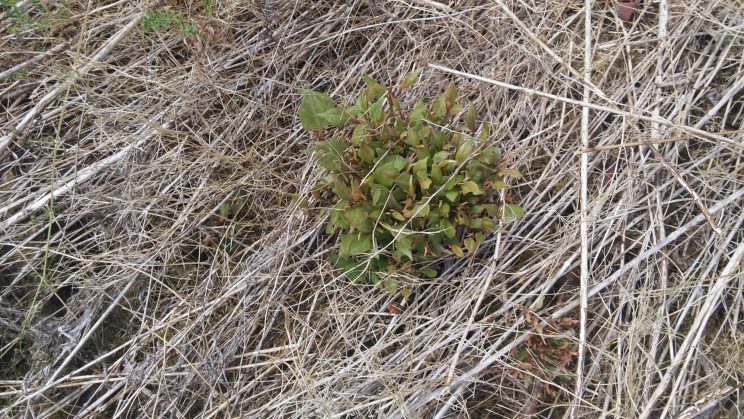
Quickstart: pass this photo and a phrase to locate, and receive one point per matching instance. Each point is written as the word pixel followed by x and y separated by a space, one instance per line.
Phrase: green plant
pixel 38 17
pixel 16 14
pixel 17 75
pixel 165 19
pixel 412 185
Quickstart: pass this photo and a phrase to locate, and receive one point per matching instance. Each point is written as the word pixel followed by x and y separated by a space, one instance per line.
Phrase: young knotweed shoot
pixel 411 186
pixel 155 20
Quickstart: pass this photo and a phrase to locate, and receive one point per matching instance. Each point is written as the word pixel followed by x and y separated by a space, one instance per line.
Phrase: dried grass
pixel 153 262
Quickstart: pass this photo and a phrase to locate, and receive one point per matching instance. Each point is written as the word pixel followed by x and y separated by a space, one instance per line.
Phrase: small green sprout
pixel 155 20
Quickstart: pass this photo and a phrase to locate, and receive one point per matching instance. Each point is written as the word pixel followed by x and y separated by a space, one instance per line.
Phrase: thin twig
pixel 584 211
pixel 691 130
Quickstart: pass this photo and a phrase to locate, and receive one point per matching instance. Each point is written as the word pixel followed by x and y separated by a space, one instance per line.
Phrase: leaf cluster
pixel 155 20
pixel 547 353
pixel 412 185
pixel 36 16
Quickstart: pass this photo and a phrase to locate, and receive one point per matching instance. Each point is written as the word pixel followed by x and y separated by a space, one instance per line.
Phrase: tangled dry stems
pixel 152 258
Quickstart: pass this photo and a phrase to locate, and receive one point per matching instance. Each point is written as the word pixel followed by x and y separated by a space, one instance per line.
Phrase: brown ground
pixel 154 263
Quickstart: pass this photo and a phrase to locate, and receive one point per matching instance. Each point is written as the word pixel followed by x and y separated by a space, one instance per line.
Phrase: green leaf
pixel 418 112
pixel 341 189
pixel 419 168
pixel 469 244
pixel 447 228
pixel 357 218
pixel 403 244
pixel 413 137
pixel 429 273
pixel 455 109
pixel 472 188
pixel 390 285
pixel 437 139
pixel 464 151
pixel 470 117
pixel 422 210
pixel 457 250
pixel 379 263
pixel 312 106
pixel 512 212
pixel 366 153
pixel 399 126
pixel 358 109
pixel 330 154
pixel 436 174
pixel 433 219
pixel 453 182
pixel 336 215
pixel 225 209
pixel 386 174
pixel 485 132
pixel 476 223
pixel 153 19
pixel 301 202
pixel 439 107
pixel 490 155
pixel 425 184
pixel 374 90
pixel 359 134
pixel 451 195
pixel 516 174
pixel 399 197
pixel 379 194
pixel 402 181
pixel 444 209
pixel 491 209
pixel 419 211
pixel 355 244
pixel 440 156
pixel 394 104
pixel 352 269
pixel 398 162
pixel 376 112
pixel 370 82
pixel 479 238
pixel 335 116
pixel 488 224
pixel 410 79
pixel 450 95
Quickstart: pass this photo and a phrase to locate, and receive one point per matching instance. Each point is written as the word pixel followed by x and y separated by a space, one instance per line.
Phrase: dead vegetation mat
pixel 154 260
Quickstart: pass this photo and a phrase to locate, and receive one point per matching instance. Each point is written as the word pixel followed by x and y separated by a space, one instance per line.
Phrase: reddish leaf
pixel 626 9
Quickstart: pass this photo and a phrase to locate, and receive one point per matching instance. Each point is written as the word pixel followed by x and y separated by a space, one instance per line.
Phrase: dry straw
pixel 153 260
